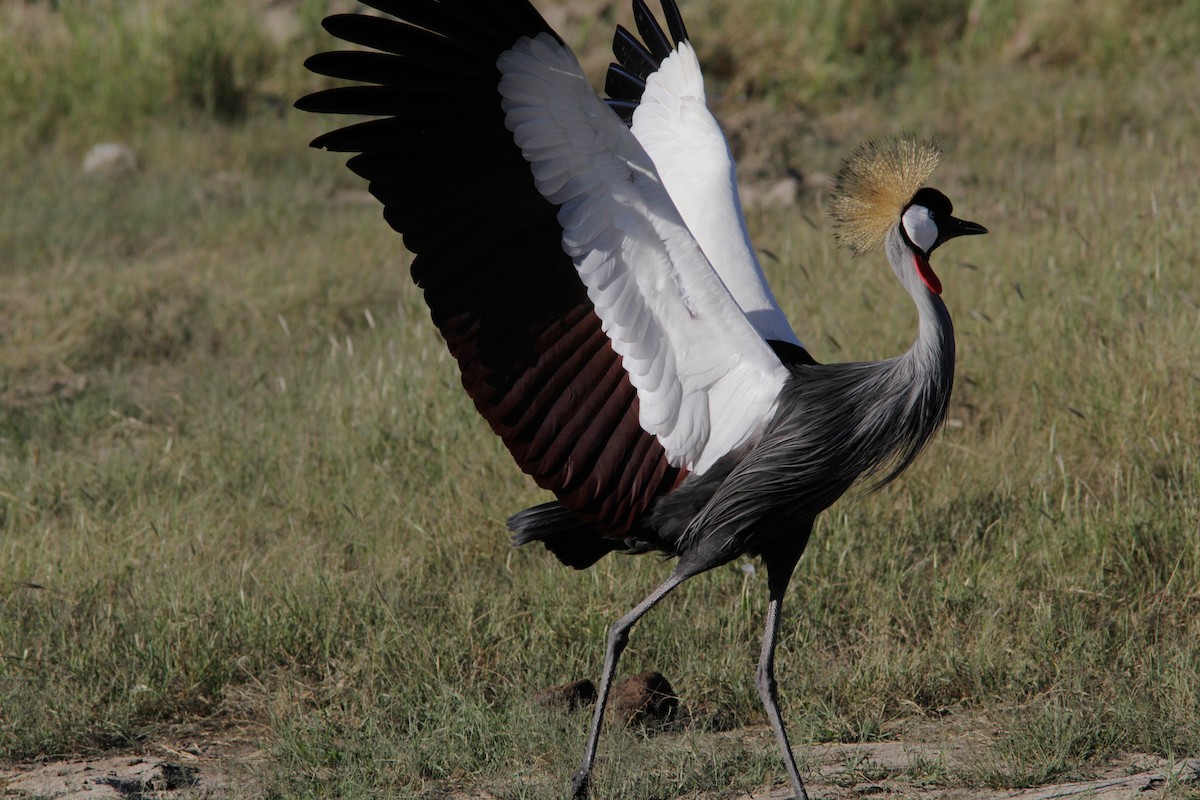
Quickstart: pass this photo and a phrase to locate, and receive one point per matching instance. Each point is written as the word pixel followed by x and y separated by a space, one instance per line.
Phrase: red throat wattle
pixel 926 272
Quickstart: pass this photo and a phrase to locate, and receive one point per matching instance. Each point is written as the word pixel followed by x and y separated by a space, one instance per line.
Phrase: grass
pixel 239 483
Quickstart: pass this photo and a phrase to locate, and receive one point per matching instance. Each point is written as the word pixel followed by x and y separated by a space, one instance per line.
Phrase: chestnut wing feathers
pixel 590 331
pixel 503 294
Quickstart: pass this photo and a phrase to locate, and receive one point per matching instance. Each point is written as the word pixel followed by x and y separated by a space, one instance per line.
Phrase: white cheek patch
pixel 920 227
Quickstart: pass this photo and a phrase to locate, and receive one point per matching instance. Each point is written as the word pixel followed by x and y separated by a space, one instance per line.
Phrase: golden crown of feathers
pixel 874 185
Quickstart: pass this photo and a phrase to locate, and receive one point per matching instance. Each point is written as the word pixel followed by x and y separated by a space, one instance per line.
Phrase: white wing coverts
pixel 706 381
pixel 680 134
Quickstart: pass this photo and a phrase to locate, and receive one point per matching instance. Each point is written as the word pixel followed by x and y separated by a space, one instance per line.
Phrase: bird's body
pixel 592 275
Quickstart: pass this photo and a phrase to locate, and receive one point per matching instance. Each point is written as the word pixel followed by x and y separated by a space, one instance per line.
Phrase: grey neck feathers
pixel 837 423
pixel 850 420
pixel 916 386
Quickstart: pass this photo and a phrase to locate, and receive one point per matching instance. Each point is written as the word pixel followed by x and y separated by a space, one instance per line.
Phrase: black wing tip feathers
pixel 637 59
pixel 421 75
pixel 675 22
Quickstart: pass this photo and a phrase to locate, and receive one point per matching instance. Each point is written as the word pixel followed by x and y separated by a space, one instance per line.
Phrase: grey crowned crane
pixel 587 263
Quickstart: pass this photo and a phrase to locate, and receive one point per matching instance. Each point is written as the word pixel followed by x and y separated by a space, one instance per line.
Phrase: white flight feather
pixel 685 142
pixel 706 380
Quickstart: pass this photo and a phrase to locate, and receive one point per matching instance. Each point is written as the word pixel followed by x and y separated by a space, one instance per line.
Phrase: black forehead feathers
pixel 934 200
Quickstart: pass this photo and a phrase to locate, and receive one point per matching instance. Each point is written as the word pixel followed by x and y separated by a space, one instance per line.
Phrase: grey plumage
pixel 835 424
pixel 504 288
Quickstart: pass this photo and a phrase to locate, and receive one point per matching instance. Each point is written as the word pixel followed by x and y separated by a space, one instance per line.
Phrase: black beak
pixel 950 227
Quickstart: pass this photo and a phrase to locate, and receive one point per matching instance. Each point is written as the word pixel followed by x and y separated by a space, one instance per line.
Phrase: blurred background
pixel 245 506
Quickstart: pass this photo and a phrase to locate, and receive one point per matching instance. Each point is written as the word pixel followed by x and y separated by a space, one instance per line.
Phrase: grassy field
pixel 241 489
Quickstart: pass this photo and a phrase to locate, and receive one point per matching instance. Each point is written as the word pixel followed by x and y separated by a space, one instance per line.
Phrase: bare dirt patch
pixel 903 769
pixel 114 777
pixel 836 772
pixel 206 765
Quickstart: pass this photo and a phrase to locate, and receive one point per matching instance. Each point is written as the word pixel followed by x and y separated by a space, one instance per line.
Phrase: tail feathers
pixel 573 541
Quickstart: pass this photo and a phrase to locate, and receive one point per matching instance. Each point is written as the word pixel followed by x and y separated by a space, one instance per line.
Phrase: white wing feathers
pixel 681 135
pixel 706 380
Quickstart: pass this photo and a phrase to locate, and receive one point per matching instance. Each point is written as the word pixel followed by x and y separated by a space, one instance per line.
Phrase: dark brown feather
pixel 505 297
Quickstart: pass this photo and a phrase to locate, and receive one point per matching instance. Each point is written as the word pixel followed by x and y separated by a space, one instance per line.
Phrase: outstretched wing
pixel 589 329
pixel 659 89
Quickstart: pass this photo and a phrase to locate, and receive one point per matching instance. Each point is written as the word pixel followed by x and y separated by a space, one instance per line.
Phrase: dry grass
pixel 238 479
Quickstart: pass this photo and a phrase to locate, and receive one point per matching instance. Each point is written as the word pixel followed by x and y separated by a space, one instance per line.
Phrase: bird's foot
pixel 582 781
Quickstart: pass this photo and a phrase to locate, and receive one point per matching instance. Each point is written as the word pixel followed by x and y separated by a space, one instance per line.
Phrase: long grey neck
pixel 921 379
pixel 931 357
pixel 837 423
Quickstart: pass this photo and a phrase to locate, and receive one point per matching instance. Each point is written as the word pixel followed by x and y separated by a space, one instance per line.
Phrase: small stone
pixel 349 198
pixel 173 777
pixel 110 158
pixel 570 696
pixel 782 193
pixel 645 698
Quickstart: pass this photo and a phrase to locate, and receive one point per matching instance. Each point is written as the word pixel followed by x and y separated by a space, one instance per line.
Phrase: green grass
pixel 240 485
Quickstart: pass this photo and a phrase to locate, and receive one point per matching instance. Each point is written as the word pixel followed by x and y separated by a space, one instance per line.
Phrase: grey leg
pixel 618 637
pixel 765 680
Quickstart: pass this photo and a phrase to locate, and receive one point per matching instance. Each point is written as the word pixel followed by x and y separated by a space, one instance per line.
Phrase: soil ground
pixel 225 765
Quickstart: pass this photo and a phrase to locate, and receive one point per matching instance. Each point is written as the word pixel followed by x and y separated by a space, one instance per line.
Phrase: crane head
pixel 926 223
pixel 881 187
